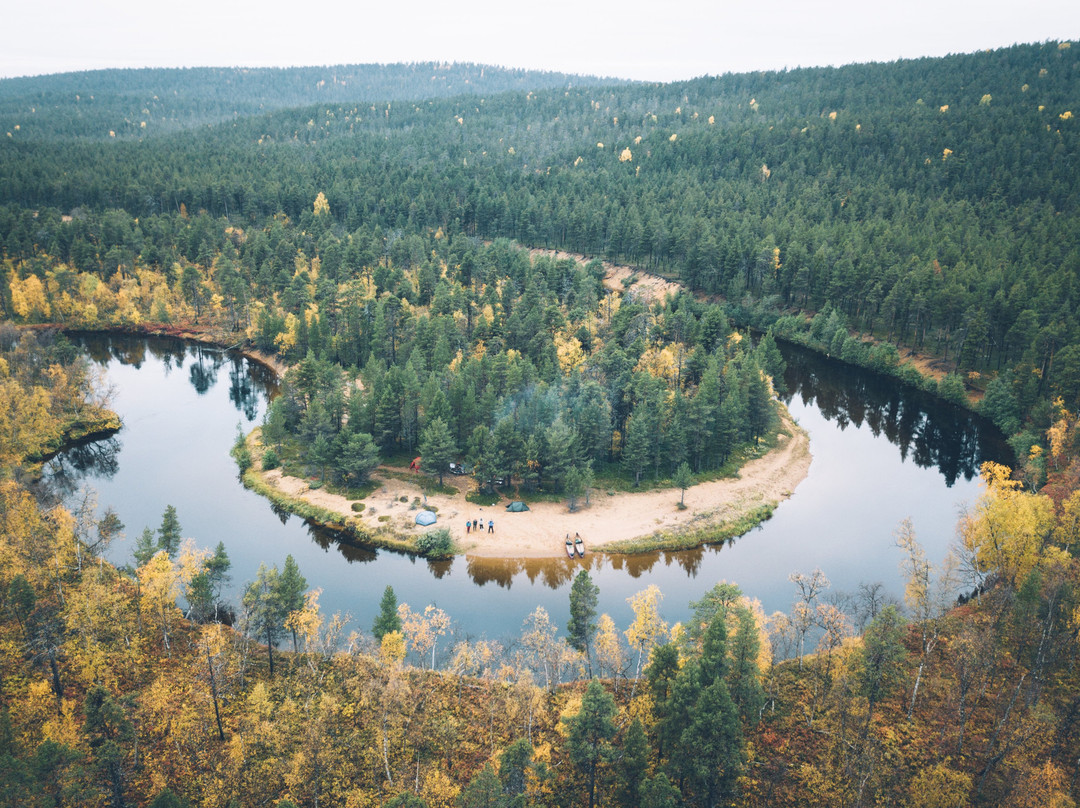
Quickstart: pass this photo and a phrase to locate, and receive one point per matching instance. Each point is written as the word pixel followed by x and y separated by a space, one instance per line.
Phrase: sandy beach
pixel 540 532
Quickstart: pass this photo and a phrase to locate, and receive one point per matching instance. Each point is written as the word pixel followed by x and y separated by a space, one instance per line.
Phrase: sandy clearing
pixel 619 278
pixel 540 532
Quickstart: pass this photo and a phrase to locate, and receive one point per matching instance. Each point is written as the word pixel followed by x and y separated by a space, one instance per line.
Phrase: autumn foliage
pixel 111 695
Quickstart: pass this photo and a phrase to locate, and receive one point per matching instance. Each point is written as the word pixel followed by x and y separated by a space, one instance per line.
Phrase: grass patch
pixel 400 458
pixel 432 487
pixel 482 498
pixel 358 507
pixel 357 492
pixel 612 479
pixel 689 539
pixel 547 496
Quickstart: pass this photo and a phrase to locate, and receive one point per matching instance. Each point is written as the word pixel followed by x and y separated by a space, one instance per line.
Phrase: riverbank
pixel 624 523
pixel 617 523
pixel 93 426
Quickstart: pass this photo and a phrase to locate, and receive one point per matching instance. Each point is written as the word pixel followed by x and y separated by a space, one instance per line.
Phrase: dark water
pixel 881 454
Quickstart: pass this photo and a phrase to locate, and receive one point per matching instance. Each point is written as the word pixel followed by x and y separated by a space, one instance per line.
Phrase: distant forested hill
pixel 931 202
pixel 136 103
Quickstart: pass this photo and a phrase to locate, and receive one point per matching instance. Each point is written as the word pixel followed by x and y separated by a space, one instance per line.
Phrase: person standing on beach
pixel 491 525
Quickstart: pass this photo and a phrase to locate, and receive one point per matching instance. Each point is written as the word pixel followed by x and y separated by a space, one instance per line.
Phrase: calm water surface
pixel 881 453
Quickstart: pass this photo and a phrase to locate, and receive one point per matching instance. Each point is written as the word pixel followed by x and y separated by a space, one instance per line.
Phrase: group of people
pixel 477 525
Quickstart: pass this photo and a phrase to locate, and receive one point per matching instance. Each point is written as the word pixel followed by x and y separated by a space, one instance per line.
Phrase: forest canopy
pixel 371 237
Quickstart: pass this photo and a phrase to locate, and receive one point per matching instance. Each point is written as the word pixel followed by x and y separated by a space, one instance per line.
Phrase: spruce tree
pixel 631 766
pixel 437 447
pixel 661 674
pixel 169 532
pixel 291 587
pixel 743 678
pixel 582 625
pixel 514 764
pixel 713 744
pixel 263 606
pixel 590 734
pixel 483 790
pixel 387 619
pixel 145 547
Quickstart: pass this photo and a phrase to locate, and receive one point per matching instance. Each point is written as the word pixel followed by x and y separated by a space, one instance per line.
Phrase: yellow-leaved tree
pixel 1008 528
pixel 423 629
pixel 648 628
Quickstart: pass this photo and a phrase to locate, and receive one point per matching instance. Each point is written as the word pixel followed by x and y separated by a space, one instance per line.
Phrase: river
pixel 881 453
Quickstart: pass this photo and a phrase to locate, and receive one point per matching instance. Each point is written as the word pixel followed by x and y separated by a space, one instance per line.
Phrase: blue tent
pixel 425 518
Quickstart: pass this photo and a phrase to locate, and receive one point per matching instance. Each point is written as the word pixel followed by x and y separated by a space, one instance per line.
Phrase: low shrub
pixel 435 543
pixel 270 459
pixel 240 452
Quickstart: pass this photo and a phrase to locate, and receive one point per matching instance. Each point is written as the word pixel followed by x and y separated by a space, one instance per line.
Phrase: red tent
pixel 415 464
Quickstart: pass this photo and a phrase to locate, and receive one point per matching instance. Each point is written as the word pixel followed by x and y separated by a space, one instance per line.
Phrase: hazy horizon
pixel 689 39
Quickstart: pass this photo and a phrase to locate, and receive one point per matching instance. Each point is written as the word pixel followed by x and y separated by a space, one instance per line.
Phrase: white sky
pixel 660 40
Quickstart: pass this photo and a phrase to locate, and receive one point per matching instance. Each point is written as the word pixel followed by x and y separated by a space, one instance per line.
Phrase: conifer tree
pixel 387 620
pixel 145 547
pixel 590 734
pixel 631 765
pixel 291 586
pixel 169 532
pixel 437 447
pixel 744 676
pixel 582 625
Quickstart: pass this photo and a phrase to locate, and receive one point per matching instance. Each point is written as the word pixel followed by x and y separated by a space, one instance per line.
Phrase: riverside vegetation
pixel 929 204
pixel 138 686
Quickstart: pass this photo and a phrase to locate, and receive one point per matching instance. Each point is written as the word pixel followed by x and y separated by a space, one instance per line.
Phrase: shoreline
pixel 623 523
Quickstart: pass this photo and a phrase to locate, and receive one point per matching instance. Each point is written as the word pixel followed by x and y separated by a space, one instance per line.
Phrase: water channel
pixel 881 453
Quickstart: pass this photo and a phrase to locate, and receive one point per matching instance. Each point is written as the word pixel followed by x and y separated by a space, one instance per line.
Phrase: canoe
pixel 570 548
pixel 580 545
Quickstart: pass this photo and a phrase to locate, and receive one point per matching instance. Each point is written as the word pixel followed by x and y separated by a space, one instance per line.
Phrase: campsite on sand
pixel 540 532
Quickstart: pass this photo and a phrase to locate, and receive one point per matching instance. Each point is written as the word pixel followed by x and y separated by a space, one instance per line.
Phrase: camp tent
pixel 517 506
pixel 425 518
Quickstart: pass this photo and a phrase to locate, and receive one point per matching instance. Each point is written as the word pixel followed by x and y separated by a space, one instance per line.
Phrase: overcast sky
pixel 658 40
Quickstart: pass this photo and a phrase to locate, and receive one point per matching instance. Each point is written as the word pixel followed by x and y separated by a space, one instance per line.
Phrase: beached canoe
pixel 569 547
pixel 580 546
